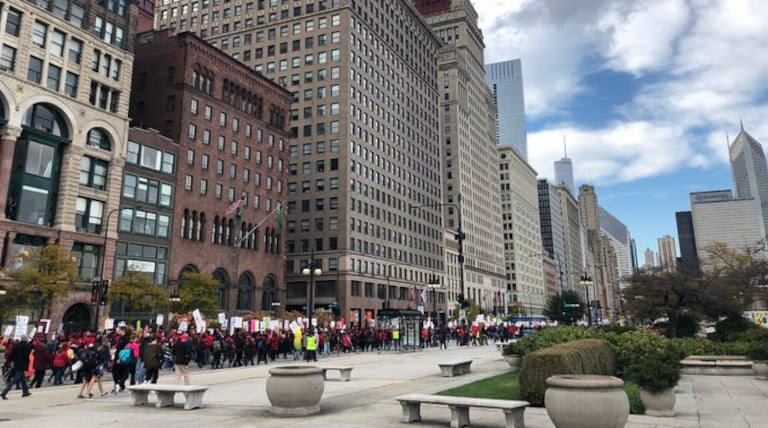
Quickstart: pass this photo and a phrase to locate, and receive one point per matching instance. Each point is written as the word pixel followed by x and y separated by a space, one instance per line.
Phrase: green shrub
pixel 586 356
pixel 758 351
pixel 511 348
pixel 658 372
pixel 556 335
pixel 727 329
pixel 636 406
pixel 758 334
pixel 687 325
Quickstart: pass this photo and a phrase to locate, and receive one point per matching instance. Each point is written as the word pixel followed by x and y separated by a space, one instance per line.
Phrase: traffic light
pixel 103 300
pixel 95 290
pixel 462 302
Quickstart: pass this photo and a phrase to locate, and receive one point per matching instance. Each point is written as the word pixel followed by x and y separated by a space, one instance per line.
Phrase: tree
pixel 738 278
pixel 47 274
pixel 198 291
pixel 654 295
pixel 137 292
pixel 565 308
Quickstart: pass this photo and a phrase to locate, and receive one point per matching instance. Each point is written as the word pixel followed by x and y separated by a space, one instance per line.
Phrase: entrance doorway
pixel 77 318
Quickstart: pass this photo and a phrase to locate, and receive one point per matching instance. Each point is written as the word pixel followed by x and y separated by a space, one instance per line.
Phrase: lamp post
pixel 459 236
pixel 586 281
pixel 434 284
pixel 99 291
pixel 312 270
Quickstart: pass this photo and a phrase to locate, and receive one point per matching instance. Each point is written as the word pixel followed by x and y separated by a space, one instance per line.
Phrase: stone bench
pixel 455 368
pixel 514 411
pixel 193 394
pixel 719 365
pixel 344 372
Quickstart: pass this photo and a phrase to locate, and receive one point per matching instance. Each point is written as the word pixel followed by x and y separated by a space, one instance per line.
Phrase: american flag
pixel 239 203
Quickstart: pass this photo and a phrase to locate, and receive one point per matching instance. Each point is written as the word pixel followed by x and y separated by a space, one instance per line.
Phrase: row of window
pixel 306 168
pixel 147 190
pixel 194 8
pixel 150 157
pixel 140 222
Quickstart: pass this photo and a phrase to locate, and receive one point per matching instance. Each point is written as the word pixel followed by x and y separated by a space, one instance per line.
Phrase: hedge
pixel 586 356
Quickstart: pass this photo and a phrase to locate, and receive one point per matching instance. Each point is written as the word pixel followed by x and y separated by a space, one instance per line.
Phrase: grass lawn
pixel 506 387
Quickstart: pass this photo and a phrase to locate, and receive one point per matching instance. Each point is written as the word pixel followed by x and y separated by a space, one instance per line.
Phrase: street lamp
pixel 312 270
pixel 459 236
pixel 100 286
pixel 434 284
pixel 586 281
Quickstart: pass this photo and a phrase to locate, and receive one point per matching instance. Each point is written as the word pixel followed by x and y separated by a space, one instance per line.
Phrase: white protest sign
pixel 21 326
pixel 159 320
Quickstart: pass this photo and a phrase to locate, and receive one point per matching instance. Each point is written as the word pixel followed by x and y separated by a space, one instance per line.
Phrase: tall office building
pixel 718 217
pixel 618 233
pixel 231 132
pixel 65 73
pixel 506 82
pixel 750 174
pixel 686 238
pixel 365 140
pixel 470 166
pixel 522 232
pixel 564 170
pixel 650 259
pixel 553 232
pixel 667 253
pixel 575 256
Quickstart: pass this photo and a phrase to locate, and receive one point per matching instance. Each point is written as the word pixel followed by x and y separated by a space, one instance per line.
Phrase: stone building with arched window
pixel 65 73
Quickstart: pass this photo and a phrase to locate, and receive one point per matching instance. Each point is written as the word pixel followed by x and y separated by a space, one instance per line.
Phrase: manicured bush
pixel 511 348
pixel 658 370
pixel 586 356
pixel 551 336
pixel 758 351
pixel 727 329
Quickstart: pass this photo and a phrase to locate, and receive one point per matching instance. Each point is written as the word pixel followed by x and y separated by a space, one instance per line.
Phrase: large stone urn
pixel 295 390
pixel 514 361
pixel 586 401
pixel 659 404
pixel 760 367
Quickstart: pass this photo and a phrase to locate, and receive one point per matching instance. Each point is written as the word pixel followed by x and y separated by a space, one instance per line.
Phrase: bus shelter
pixel 407 321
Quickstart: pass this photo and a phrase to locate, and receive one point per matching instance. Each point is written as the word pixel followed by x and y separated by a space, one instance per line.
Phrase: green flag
pixel 279 218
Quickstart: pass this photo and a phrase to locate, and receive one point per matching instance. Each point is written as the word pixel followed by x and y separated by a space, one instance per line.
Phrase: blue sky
pixel 644 92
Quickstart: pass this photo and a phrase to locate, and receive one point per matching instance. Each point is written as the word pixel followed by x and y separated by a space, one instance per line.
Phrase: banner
pixel 22 322
pixel 222 318
pixel 198 320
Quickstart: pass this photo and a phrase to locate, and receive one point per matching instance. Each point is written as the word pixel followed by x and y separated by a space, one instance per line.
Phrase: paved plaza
pixel 237 398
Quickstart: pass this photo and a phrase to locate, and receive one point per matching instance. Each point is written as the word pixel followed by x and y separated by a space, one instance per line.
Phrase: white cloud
pixel 699 64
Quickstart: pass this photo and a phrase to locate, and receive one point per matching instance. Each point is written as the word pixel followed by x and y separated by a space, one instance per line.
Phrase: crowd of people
pixel 138 356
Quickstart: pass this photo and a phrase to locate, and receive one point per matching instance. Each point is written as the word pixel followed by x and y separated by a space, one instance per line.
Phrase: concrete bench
pixel 344 372
pixel 718 365
pixel 193 394
pixel 455 368
pixel 514 411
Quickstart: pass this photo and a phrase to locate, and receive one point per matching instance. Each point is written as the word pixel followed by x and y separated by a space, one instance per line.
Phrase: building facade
pixel 522 233
pixel 365 144
pixel 750 173
pixel 667 253
pixel 470 170
pixel 575 256
pixel 231 128
pixel 564 170
pixel 553 232
pixel 65 72
pixel 506 82
pixel 689 259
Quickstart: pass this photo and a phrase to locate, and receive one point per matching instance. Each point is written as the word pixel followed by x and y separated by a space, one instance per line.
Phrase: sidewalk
pixel 237 398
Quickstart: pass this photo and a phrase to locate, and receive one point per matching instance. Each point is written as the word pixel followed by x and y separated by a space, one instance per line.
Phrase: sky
pixel 645 92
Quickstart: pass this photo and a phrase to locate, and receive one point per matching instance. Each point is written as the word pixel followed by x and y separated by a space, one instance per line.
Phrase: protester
pixel 19 358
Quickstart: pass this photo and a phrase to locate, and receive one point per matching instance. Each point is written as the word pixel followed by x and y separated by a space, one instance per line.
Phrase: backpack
pixel 88 357
pixel 125 356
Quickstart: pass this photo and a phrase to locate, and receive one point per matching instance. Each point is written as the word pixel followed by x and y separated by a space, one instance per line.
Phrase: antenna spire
pixel 565 148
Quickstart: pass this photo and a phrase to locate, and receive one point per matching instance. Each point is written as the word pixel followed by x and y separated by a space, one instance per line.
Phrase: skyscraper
pixel 650 259
pixel 667 253
pixel 686 238
pixel 564 170
pixel 506 82
pixel 553 232
pixel 470 166
pixel 750 174
pixel 365 139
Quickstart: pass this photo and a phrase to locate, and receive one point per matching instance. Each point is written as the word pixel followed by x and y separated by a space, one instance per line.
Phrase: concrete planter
pixel 514 361
pixel 659 404
pixel 295 390
pixel 760 367
pixel 586 401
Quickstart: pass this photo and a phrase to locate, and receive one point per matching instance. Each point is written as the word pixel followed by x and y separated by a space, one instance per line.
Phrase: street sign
pixel 571 305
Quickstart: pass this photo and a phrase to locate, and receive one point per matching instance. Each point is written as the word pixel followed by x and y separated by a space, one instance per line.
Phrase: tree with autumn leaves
pixel 732 280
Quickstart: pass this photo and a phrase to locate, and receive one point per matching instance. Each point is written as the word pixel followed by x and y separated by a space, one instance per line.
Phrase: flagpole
pixel 240 240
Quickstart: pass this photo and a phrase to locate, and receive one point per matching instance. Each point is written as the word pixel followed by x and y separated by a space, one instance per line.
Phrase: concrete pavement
pixel 237 398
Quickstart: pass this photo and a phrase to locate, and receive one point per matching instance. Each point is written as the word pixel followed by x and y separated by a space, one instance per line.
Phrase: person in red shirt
pixel 61 361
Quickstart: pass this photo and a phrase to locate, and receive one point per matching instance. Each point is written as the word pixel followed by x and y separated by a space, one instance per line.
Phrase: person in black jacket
pixel 20 359
pixel 182 355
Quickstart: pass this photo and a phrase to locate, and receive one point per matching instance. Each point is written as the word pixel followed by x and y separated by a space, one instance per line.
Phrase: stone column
pixel 7 149
pixel 69 177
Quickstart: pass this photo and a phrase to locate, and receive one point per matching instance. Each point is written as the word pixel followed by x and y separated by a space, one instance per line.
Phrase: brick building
pixel 231 127
pixel 64 72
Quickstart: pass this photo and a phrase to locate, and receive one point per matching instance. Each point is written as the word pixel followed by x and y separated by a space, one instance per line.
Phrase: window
pixel 75 50
pixel 203 186
pixel 93 172
pixel 56 46
pixel 35 71
pixel 39 31
pixel 188 182
pixel 144 223
pixel 98 138
pixel 7 58
pixel 13 22
pixel 54 77
pixel 88 213
pixel 193 106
